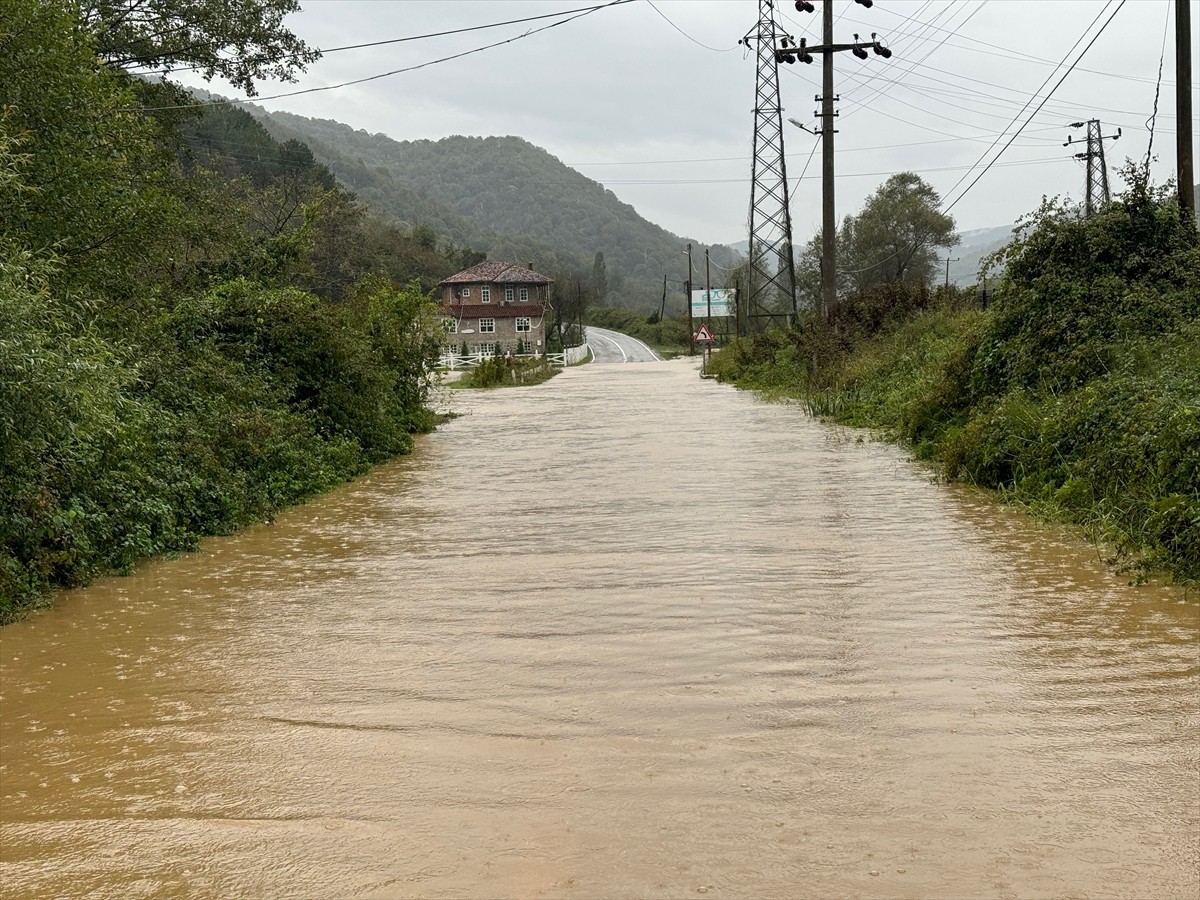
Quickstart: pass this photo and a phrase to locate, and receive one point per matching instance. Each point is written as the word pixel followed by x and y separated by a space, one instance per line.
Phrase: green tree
pixel 894 240
pixel 98 179
pixel 239 40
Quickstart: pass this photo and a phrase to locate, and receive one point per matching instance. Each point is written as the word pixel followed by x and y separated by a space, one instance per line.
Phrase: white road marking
pixel 605 337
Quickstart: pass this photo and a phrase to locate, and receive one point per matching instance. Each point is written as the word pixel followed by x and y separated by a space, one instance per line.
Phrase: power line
pixel 1067 104
pixel 808 162
pixel 914 63
pixel 654 162
pixel 1023 57
pixel 1150 122
pixel 1040 105
pixel 432 34
pixel 743 180
pixel 432 62
pixel 685 34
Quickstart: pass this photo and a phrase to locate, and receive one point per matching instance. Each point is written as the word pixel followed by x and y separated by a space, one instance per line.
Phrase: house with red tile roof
pixel 495 307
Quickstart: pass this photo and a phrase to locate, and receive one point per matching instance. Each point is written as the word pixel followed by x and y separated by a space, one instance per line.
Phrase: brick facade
pixel 495 304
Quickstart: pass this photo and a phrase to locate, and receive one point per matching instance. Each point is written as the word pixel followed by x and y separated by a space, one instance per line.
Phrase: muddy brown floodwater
pixel 626 634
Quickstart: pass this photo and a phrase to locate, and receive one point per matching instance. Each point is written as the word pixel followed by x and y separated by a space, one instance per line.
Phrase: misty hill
pixel 501 195
pixel 976 244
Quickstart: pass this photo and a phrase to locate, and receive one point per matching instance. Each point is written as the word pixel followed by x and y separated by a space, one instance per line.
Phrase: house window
pixel 524 295
pixel 450 326
pixel 508 295
pixel 466 292
pixel 487 326
pixel 485 293
pixel 524 324
pixel 487 349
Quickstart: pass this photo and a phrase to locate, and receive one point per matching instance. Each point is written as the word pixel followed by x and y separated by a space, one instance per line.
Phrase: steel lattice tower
pixel 1097 171
pixel 772 288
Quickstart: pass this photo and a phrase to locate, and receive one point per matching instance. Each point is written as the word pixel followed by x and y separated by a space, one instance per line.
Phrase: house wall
pixel 537 293
pixel 506 334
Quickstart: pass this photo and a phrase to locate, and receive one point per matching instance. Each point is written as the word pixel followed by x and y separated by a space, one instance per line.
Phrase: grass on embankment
pixel 503 372
pixel 1077 394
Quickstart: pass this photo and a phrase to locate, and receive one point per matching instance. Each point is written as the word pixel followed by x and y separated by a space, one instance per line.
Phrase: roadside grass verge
pixel 1076 395
pixel 500 372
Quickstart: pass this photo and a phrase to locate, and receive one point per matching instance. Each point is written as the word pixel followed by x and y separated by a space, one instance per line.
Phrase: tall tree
pixel 97 178
pixel 239 40
pixel 896 236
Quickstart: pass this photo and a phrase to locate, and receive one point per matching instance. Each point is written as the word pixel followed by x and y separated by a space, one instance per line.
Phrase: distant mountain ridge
pixel 975 245
pixel 504 196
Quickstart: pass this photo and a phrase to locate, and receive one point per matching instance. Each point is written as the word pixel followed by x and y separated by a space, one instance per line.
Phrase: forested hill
pixel 504 196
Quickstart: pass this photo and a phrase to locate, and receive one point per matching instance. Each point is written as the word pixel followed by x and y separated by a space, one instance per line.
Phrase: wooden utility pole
pixel 789 53
pixel 828 210
pixel 948 261
pixel 1183 108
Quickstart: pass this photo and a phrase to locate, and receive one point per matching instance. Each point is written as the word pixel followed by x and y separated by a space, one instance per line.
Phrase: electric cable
pixel 413 68
pixel 1070 69
pixel 421 37
pixel 685 34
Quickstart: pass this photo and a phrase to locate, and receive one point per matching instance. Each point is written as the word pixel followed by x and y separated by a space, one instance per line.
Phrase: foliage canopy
pixel 190 339
pixel 893 240
pixel 242 41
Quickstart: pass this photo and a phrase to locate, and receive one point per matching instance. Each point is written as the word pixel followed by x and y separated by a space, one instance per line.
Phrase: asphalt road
pixel 615 347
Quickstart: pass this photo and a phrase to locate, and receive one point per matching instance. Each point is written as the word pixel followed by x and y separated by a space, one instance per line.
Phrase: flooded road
pixel 625 634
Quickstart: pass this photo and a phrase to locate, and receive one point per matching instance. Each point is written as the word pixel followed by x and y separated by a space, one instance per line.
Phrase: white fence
pixel 574 355
pixel 456 361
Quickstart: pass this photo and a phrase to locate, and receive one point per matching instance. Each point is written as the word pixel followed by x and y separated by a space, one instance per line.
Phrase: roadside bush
pixel 237 403
pixel 1076 394
pixel 500 371
pixel 1075 291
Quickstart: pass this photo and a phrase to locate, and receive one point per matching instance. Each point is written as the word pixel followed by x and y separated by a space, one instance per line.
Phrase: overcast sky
pixel 654 98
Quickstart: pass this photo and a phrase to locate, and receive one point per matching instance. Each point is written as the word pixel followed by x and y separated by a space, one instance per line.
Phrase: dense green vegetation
pixel 507 372
pixel 190 338
pixel 507 197
pixel 1077 393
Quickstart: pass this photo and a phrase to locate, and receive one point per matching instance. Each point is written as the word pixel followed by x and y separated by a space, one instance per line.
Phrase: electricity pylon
pixel 1097 171
pixel 772 274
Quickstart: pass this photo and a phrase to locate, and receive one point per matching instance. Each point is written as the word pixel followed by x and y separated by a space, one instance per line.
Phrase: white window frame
pixel 466 293
pixel 524 295
pixel 485 294
pixel 450 324
pixel 487 349
pixel 508 295
pixel 487 326
pixel 524 324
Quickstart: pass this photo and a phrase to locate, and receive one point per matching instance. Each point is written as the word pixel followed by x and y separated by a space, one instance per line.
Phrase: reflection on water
pixel 628 633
